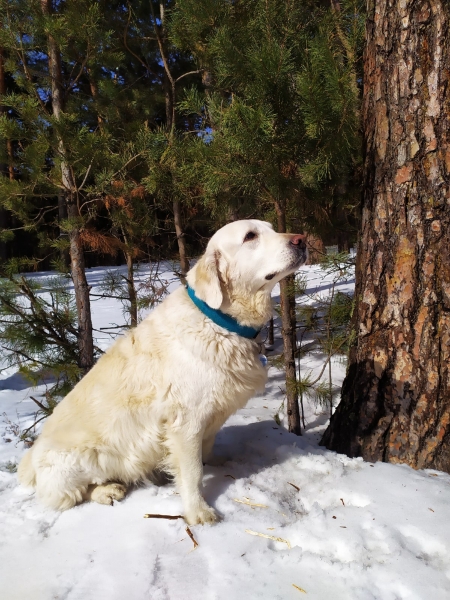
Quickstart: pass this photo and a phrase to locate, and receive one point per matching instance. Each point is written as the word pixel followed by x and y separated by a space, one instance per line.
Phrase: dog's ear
pixel 204 279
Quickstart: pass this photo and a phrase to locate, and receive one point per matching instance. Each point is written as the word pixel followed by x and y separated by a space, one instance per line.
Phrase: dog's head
pixel 244 259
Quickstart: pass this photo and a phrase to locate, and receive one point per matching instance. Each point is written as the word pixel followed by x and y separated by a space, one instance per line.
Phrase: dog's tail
pixel 26 471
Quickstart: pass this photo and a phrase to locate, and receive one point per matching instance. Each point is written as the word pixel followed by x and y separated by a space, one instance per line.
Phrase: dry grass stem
pixel 299 588
pixel 269 537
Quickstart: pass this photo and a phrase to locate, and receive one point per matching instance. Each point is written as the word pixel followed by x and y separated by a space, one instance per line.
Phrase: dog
pixel 156 399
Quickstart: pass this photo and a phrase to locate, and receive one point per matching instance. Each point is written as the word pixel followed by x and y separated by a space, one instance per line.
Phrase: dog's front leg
pixel 186 463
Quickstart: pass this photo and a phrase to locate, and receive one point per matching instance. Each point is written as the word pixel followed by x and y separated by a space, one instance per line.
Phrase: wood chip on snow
pixel 248 502
pixel 269 537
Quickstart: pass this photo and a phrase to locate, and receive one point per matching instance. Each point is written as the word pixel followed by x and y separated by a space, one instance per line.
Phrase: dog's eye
pixel 251 235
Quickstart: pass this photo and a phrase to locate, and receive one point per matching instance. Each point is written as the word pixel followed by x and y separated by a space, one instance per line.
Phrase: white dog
pixel 158 396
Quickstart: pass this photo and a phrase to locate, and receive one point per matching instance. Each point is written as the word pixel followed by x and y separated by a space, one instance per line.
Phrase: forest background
pixel 131 131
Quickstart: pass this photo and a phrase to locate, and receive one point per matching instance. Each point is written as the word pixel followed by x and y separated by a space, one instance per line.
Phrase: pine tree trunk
pixel 78 269
pixel 170 99
pixel 184 261
pixel 270 335
pixel 81 287
pixel 395 402
pixel 64 253
pixel 3 167
pixel 131 291
pixel 288 331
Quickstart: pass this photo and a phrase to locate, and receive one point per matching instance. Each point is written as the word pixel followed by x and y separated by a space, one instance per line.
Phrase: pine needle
pixel 294 486
pixel 299 589
pixel 269 537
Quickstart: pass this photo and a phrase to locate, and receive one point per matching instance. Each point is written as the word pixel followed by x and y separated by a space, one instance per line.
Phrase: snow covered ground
pixel 336 528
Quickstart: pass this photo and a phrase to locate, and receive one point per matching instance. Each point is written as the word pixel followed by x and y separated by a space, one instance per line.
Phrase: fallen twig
pixel 269 537
pixel 296 487
pixel 151 516
pixel 342 500
pixel 190 534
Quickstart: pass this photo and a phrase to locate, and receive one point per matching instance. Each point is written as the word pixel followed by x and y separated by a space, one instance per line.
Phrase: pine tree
pixel 38 333
pixel 279 117
pixel 78 114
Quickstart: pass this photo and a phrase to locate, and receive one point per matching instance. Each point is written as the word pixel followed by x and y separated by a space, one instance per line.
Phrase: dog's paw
pixel 205 515
pixel 106 494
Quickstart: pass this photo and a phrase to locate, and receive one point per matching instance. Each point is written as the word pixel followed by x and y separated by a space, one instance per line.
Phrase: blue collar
pixel 220 318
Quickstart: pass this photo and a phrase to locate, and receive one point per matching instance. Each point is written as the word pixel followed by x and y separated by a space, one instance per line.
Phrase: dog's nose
pixel 298 241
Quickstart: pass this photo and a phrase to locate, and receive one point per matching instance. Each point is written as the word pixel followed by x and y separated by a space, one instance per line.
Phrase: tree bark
pixel 288 332
pixel 395 404
pixel 78 269
pixel 81 288
pixel 64 253
pixel 4 168
pixel 270 335
pixel 184 261
pixel 131 290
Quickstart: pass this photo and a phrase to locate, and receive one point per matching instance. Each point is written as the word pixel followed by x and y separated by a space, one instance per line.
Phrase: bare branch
pixel 190 73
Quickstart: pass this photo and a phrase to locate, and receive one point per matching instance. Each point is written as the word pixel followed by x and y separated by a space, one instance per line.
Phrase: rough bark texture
pixel 81 287
pixel 184 261
pixel 77 263
pixel 131 291
pixel 288 332
pixel 396 397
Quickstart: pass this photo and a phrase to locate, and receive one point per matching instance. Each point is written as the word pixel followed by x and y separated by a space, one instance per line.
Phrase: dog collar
pixel 220 318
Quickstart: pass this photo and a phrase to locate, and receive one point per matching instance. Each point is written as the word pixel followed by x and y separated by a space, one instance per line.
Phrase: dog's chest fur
pixel 211 368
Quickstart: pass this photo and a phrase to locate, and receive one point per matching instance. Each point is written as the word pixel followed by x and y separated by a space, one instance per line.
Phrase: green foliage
pixel 150 290
pixel 266 100
pixel 323 327
pixel 267 112
pixel 340 310
pixel 280 110
pixel 112 95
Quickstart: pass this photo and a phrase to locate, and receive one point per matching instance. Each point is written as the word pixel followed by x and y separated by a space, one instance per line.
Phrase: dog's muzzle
pixel 297 246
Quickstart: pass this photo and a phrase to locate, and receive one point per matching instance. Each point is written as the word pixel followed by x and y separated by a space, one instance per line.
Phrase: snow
pixel 351 530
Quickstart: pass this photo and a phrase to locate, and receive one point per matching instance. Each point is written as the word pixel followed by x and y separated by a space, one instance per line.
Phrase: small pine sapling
pixel 39 334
